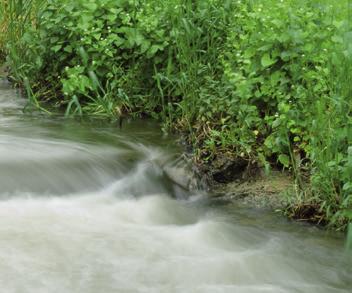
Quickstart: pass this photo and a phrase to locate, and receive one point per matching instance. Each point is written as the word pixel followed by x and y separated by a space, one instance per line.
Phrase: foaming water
pixel 86 207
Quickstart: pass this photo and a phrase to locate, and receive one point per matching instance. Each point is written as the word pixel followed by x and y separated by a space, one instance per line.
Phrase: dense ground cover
pixel 263 81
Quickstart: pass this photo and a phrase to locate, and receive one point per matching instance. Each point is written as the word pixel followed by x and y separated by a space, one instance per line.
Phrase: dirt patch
pixel 259 190
pixel 238 180
pixel 234 178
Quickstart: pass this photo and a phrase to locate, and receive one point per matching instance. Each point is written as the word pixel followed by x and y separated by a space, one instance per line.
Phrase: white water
pixel 87 208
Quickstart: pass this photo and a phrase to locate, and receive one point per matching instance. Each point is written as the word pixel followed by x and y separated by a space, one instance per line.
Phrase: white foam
pixel 77 217
pixel 102 243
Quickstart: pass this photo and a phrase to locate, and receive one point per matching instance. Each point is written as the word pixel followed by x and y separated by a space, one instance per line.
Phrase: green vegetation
pixel 263 80
pixel 3 23
pixel 349 238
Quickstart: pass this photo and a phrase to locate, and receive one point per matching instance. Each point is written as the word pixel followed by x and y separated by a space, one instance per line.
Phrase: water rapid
pixel 88 207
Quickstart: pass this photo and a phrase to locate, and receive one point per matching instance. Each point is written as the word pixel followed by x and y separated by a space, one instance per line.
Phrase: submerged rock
pixel 183 173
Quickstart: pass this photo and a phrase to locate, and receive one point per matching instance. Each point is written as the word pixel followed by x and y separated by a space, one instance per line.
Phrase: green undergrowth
pixel 261 80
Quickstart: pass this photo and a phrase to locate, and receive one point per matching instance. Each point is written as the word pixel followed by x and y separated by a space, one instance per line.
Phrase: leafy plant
pixel 270 86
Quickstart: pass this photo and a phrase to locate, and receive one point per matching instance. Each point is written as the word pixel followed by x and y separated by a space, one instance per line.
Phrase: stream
pixel 88 207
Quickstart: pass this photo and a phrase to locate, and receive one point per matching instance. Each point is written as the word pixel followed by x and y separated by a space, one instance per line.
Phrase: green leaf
pixel 84 56
pixel 74 102
pixel 276 123
pixel 97 36
pixel 284 160
pixel 118 41
pixel 68 49
pixel 95 81
pixel 111 17
pixel 337 39
pixel 56 48
pixel 267 61
pixel 91 6
pixel 153 49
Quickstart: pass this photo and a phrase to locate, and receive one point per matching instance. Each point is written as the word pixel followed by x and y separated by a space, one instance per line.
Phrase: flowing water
pixel 88 207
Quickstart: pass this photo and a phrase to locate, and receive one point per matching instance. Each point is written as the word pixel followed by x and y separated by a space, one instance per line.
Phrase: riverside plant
pixel 270 86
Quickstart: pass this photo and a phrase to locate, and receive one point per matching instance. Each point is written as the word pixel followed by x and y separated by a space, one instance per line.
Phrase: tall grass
pixel 331 144
pixel 17 17
pixel 3 29
pixel 329 192
pixel 241 81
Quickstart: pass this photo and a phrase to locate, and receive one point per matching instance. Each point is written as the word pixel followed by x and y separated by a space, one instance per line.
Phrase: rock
pixel 183 173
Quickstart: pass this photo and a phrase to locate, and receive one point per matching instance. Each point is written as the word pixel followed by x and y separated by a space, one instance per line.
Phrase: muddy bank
pixel 233 180
pixel 224 177
pixel 262 191
pixel 238 180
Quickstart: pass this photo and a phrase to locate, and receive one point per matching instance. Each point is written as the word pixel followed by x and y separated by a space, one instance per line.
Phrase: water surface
pixel 88 207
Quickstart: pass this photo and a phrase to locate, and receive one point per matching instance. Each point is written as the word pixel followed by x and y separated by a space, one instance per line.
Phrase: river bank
pixel 249 87
pixel 85 207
